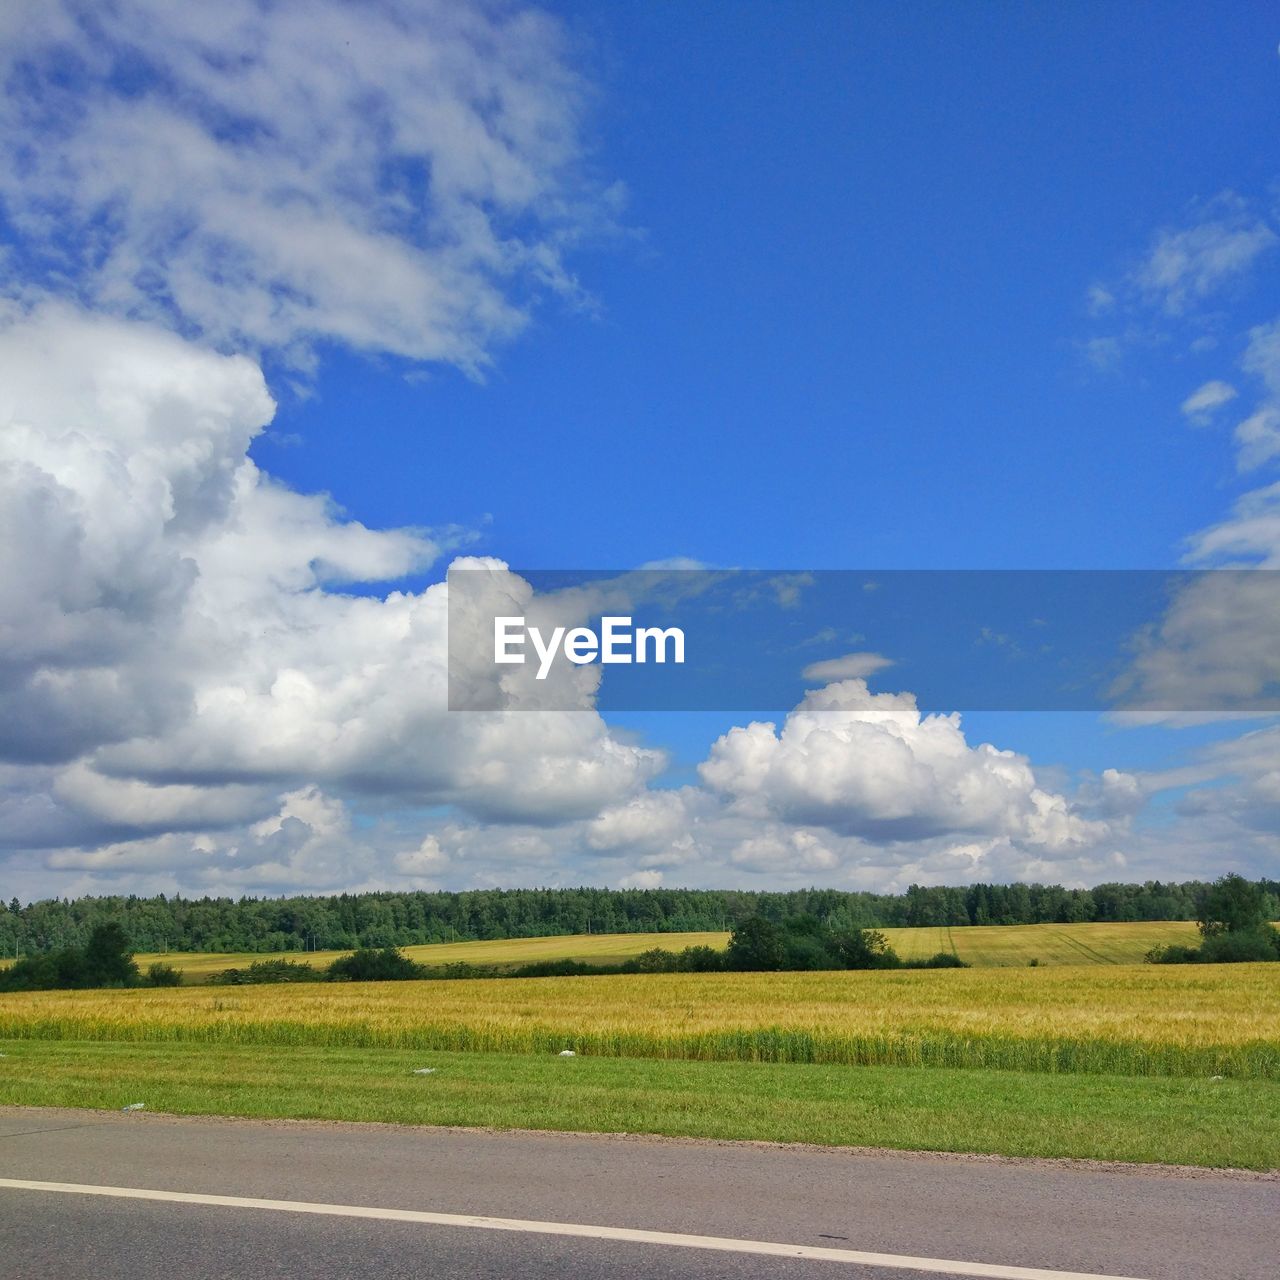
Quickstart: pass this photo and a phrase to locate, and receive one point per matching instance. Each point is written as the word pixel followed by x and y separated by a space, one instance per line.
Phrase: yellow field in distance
pixel 979 945
pixel 599 947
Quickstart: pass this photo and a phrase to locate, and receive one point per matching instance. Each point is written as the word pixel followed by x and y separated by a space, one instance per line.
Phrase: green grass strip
pixel 1223 1123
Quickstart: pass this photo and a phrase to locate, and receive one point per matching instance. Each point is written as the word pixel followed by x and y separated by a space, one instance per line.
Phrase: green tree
pixel 1232 905
pixel 108 962
pixel 756 945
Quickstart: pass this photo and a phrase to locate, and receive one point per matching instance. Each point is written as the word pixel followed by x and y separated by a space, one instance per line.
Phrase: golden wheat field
pixel 1134 1020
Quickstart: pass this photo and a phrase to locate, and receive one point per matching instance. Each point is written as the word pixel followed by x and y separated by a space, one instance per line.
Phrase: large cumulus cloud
pixel 870 765
pixel 182 640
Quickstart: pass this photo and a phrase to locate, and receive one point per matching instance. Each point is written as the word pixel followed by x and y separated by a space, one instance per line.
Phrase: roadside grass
pixel 1012 945
pixel 1195 1020
pixel 1222 1123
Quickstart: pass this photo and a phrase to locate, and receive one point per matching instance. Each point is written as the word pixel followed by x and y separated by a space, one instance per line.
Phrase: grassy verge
pixel 1200 1122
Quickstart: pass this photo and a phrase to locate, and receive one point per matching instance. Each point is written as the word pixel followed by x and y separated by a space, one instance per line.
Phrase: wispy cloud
pixel 400 177
pixel 1186 265
pixel 1201 405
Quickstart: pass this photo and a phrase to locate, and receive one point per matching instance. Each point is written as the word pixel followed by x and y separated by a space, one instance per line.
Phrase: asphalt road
pixel 1103 1221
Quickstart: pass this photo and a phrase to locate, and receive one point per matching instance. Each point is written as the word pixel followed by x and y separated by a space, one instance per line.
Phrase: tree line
pixel 393 919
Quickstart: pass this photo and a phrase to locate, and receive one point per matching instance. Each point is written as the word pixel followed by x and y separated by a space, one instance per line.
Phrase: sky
pixel 302 303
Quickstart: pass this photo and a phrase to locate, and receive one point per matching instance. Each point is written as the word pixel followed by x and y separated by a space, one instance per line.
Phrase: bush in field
pixel 701 960
pixel 866 949
pixel 805 951
pixel 1241 945
pixel 943 960
pixel 559 969
pixel 383 964
pixel 655 960
pixel 163 975
pixel 803 943
pixel 267 971
pixel 1174 953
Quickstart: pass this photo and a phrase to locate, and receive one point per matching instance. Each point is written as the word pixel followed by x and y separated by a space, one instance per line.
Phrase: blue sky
pixel 845 326
pixel 808 286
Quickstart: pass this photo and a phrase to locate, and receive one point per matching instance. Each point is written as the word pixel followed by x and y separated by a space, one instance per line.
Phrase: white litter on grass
pixel 133 1106
pixel 1215 1077
pixel 425 1071
pixel 567 1053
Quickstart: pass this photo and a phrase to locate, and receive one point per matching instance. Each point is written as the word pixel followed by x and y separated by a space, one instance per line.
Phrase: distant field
pixel 197 966
pixel 1049 944
pixel 980 945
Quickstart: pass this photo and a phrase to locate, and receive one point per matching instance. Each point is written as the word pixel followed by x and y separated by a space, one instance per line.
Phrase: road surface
pixel 92 1196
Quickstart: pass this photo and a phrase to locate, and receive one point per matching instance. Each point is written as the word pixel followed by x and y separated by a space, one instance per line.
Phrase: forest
pixel 347 921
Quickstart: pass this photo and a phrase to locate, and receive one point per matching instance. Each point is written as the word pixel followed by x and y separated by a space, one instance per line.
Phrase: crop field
pixel 979 945
pixel 198 966
pixel 1047 944
pixel 1133 1020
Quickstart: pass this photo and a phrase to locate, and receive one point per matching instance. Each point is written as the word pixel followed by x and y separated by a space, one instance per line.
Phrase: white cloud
pixel 651 822
pixel 641 880
pixel 869 765
pixel 1249 536
pixel 1202 403
pixel 398 177
pixel 853 666
pixel 1186 265
pixel 171 637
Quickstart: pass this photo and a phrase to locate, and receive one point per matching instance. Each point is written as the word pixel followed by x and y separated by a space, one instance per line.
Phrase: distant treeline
pixel 374 920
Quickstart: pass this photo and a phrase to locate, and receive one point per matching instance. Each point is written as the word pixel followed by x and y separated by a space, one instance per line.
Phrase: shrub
pixel 866 949
pixel 1233 946
pixel 560 969
pixel 1174 953
pixel 945 960
pixel 1241 945
pixel 655 960
pixel 700 960
pixel 384 964
pixel 804 951
pixel 267 971
pixel 163 975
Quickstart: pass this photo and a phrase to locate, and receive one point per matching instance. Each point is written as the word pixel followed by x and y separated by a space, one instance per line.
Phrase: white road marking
pixel 630 1235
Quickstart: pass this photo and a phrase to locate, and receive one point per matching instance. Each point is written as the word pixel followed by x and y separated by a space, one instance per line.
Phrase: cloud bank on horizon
pixel 211 682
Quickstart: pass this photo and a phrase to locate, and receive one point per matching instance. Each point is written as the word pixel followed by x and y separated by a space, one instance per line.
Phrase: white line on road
pixel 629 1235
